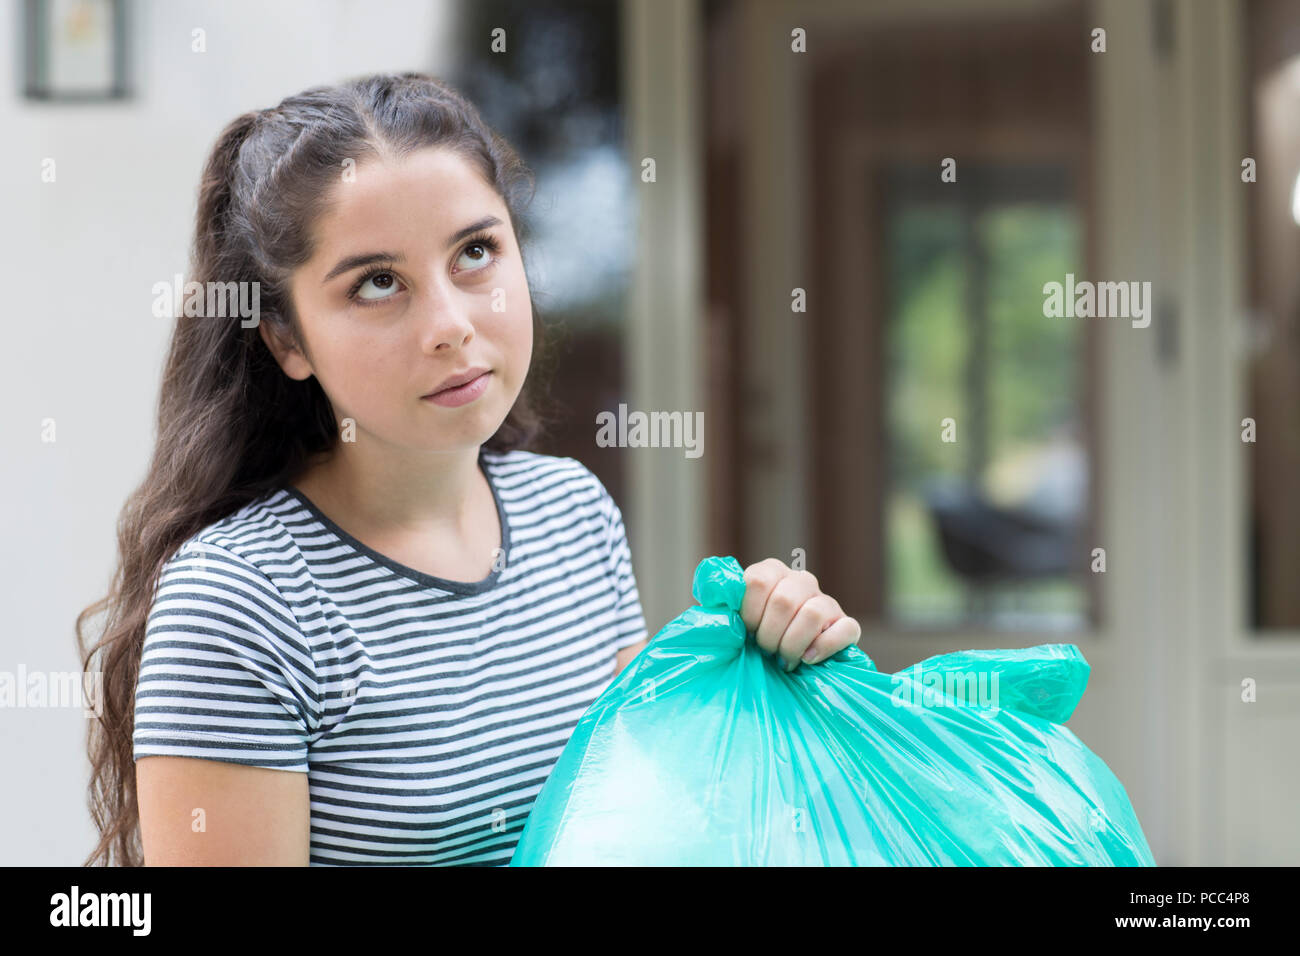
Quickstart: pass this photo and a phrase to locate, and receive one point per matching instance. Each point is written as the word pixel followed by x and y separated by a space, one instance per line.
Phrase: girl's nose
pixel 446 321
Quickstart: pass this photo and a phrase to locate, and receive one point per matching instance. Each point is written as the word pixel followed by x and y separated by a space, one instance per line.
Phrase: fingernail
pixel 809 656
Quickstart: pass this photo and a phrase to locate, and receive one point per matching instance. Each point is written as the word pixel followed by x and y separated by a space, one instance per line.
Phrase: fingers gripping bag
pixel 704 752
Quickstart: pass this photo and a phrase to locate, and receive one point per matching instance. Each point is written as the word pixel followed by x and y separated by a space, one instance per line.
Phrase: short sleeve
pixel 630 618
pixel 225 672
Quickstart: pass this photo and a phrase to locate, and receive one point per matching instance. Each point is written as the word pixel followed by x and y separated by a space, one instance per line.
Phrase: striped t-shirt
pixel 427 713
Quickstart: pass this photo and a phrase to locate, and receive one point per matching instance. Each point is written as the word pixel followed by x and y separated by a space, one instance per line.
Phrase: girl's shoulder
pixel 524 470
pixel 251 525
pixel 520 460
pixel 247 563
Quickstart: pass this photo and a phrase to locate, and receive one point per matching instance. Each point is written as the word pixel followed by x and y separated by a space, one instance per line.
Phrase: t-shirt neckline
pixel 427 580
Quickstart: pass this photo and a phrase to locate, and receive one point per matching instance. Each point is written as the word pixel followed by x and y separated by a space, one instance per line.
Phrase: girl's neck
pixel 444 494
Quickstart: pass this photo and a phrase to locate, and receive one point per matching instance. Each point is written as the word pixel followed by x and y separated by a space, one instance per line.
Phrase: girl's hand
pixel 791 617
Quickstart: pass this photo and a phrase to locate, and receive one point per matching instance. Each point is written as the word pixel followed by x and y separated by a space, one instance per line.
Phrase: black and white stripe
pixel 427 713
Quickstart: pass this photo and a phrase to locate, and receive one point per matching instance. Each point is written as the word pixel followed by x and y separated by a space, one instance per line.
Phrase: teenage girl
pixel 355 621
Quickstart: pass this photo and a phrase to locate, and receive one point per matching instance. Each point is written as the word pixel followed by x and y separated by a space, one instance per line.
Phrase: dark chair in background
pixel 993 546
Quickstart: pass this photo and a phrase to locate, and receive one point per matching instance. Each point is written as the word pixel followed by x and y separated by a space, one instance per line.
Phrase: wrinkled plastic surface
pixel 703 751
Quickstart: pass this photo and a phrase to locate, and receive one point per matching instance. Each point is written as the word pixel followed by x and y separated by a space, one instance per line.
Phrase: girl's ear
pixel 287 355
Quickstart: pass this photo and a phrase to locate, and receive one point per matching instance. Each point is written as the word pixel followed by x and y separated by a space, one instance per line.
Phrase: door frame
pixel 1163 702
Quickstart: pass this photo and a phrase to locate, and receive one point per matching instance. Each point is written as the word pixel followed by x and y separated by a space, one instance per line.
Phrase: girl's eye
pixel 480 253
pixel 384 281
pixel 381 283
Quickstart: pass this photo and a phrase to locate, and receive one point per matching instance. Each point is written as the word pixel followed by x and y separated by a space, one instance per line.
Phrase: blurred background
pixel 802 271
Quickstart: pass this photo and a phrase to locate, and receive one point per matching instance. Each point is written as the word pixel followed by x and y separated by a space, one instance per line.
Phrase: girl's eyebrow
pixel 349 263
pixel 355 262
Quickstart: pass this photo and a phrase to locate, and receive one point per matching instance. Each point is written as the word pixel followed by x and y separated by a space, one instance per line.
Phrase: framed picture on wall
pixel 75 50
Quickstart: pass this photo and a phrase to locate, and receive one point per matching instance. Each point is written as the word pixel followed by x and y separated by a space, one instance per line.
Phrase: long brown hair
pixel 231 425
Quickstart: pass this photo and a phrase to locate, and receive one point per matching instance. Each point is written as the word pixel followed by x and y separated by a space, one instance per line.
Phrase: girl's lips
pixel 461 394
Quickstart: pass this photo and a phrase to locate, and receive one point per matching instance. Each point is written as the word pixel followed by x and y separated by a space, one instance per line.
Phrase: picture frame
pixel 75 50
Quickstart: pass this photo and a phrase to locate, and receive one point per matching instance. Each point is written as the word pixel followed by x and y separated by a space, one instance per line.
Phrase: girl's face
pixel 416 277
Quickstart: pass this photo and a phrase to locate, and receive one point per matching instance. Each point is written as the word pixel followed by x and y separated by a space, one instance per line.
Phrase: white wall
pixel 80 257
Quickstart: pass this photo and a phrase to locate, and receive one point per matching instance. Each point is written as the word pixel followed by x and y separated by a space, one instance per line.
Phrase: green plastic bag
pixel 704 751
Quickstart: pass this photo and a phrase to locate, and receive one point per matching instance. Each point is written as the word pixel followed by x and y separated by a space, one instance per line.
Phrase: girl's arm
pixel 625 655
pixel 196 812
